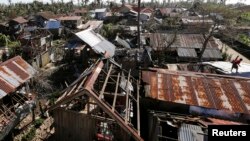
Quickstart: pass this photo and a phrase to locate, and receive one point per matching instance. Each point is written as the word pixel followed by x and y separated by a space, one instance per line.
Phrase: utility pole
pixel 138 25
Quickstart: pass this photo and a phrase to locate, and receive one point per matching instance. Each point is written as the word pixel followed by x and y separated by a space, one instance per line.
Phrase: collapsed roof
pixel 98 43
pixel 89 82
pixel 13 73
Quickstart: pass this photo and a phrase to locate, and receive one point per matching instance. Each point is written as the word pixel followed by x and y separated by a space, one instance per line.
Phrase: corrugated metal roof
pixel 122 42
pixel 159 40
pixel 212 53
pixel 185 44
pixel 53 24
pixel 82 10
pixel 13 73
pixel 215 121
pixel 70 18
pixel 199 89
pixel 97 42
pixel 100 10
pixel 188 132
pixel 93 24
pixel 20 20
pixel 185 52
pixel 46 15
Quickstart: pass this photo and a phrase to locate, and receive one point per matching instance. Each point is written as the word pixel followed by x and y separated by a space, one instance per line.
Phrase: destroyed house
pixel 87 46
pixel 17 25
pixel 184 47
pixel 42 18
pixel 94 25
pixel 100 14
pixel 15 100
pixel 102 104
pixel 81 12
pixel 196 24
pixel 168 12
pixel 97 43
pixel 36 46
pixel 172 126
pixel 71 22
pixel 4 27
pixel 203 94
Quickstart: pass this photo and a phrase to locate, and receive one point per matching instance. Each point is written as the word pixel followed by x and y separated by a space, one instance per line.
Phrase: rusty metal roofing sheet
pixel 13 73
pixel 184 52
pixel 212 53
pixel 70 18
pixel 159 40
pixel 20 20
pixel 211 91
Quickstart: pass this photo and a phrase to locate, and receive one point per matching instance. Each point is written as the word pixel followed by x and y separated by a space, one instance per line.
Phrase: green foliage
pixel 12 46
pixel 245 16
pixel 30 135
pixel 5 41
pixel 52 97
pixel 229 15
pixel 244 39
pixel 22 9
pixel 107 30
pixel 38 122
pixel 110 30
pixel 32 132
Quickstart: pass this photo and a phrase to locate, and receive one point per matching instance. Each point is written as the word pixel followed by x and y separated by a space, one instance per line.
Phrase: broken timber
pixel 86 85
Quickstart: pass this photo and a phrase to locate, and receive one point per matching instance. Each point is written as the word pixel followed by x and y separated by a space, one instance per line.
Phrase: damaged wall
pixel 73 126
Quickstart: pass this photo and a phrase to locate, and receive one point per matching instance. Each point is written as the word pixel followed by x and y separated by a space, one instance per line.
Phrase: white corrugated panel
pixel 97 42
pixel 2 94
pixel 189 132
pixel 10 79
pixel 89 37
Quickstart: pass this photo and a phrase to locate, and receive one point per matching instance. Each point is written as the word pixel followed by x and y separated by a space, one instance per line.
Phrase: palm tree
pixel 86 1
pixel 10 2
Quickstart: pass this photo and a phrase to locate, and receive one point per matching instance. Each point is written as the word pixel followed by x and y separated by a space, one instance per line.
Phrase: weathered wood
pixel 116 89
pixel 127 97
pixel 105 82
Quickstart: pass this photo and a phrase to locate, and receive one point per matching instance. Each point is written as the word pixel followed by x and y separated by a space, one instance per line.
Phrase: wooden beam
pixel 81 84
pixel 127 96
pixel 116 89
pixel 105 82
pixel 127 127
pixel 66 94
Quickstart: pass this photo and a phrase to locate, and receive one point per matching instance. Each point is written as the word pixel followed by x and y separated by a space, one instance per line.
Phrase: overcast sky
pixel 75 1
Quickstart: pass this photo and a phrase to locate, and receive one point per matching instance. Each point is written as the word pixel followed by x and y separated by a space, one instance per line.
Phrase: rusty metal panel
pixel 189 41
pixel 13 73
pixel 216 91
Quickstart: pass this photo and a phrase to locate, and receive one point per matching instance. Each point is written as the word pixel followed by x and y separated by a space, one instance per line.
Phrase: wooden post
pixel 138 108
pixel 116 89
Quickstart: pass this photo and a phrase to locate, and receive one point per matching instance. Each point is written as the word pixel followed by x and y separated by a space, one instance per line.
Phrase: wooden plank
pixel 116 89
pixel 106 80
pixel 127 97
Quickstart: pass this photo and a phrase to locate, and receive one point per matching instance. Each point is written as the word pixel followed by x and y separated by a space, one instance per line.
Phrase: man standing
pixel 236 64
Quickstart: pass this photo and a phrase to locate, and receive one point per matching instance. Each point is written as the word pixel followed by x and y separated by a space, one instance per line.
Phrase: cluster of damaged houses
pixel 122 94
